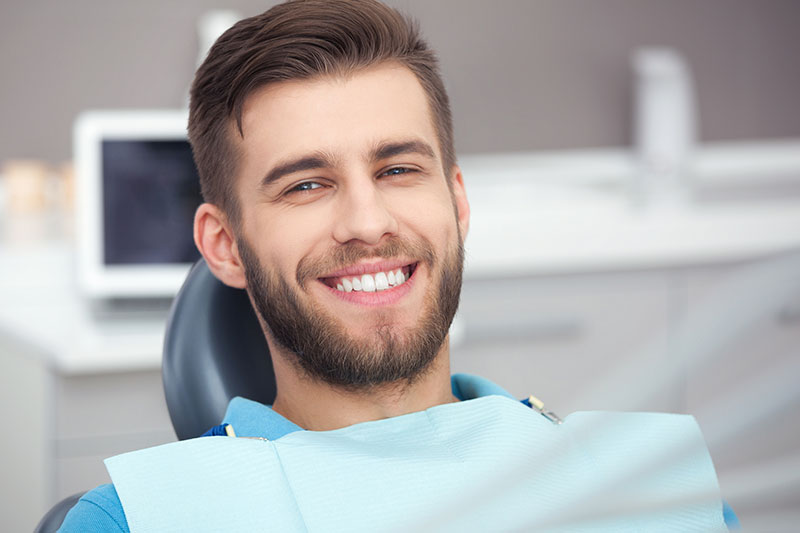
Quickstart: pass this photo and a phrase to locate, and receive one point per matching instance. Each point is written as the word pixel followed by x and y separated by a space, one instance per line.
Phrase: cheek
pixel 433 217
pixel 284 238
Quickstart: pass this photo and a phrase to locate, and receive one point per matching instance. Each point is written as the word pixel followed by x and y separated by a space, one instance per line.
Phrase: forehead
pixel 337 114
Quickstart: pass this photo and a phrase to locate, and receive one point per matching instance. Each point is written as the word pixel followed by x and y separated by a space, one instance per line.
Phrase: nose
pixel 363 214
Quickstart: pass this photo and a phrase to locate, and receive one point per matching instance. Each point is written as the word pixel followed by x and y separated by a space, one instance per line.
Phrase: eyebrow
pixel 390 149
pixel 309 162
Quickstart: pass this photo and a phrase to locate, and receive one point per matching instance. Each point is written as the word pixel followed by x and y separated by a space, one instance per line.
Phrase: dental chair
pixel 214 349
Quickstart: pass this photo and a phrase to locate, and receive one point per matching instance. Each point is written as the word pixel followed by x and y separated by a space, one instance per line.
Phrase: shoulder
pixel 98 510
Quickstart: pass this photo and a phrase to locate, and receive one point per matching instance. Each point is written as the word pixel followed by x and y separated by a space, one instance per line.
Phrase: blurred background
pixel 634 173
pixel 522 75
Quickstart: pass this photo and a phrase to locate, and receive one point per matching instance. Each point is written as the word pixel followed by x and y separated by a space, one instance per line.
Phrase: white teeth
pixel 380 281
pixel 368 283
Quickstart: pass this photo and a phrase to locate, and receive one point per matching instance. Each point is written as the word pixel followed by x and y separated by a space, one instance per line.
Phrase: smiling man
pixel 349 237
pixel 323 139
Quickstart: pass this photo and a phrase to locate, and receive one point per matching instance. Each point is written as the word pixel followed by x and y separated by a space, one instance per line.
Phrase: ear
pixel 460 200
pixel 215 239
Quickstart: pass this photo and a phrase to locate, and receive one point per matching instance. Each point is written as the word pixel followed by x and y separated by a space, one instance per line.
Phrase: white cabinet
pixel 745 391
pixel 564 338
pixel 60 428
pixel 101 415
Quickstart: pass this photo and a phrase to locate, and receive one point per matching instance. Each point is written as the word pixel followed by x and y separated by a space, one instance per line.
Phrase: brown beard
pixel 320 347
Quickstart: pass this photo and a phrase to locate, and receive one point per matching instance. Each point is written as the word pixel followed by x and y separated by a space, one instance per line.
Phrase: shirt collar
pixel 253 419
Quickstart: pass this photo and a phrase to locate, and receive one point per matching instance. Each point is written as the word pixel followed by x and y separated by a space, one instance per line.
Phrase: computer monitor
pixel 136 193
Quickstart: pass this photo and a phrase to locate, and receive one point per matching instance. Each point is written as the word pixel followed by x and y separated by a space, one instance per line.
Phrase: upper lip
pixel 370 268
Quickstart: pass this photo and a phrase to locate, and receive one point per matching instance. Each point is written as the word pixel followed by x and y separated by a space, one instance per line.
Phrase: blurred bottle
pixel 36 202
pixel 665 129
pixel 26 183
pixel 210 26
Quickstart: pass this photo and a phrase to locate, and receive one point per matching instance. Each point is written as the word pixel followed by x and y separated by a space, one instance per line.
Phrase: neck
pixel 319 406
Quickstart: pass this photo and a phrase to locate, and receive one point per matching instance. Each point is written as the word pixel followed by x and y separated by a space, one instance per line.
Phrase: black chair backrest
pixel 52 520
pixel 214 349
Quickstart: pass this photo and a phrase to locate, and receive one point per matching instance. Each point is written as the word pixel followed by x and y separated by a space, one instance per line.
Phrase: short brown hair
pixel 300 39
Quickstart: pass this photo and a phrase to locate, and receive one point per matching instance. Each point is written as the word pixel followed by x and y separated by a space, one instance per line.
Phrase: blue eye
pixel 305 186
pixel 397 171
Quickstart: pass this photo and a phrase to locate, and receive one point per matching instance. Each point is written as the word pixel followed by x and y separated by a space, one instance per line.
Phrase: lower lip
pixel 377 298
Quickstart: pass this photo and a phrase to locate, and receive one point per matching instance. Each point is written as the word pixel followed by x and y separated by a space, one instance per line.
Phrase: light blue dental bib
pixel 488 464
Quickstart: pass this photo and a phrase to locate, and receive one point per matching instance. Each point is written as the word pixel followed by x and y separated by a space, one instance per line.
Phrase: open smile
pixel 370 278
pixel 373 284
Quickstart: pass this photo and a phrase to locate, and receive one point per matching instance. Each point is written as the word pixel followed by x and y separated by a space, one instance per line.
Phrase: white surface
pixel 531 215
pixel 597 237
pixel 575 211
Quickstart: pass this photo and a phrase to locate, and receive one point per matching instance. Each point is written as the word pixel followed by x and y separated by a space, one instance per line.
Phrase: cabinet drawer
pixel 746 388
pixel 110 404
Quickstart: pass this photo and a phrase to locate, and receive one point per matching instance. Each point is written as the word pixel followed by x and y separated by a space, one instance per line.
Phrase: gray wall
pixel 523 74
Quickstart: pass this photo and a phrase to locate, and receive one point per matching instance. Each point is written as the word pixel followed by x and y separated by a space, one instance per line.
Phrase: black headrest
pixel 214 349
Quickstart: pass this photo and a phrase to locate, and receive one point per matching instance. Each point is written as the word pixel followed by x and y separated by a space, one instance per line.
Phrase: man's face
pixel 350 237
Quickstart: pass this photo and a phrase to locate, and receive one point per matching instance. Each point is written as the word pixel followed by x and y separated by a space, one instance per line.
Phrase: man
pixel 323 138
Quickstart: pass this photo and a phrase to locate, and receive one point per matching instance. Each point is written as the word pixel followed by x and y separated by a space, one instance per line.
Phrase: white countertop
pixel 43 312
pixel 573 211
pixel 519 226
pixel 606 238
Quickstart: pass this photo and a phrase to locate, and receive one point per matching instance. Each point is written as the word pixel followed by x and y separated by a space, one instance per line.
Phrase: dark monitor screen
pixel 150 193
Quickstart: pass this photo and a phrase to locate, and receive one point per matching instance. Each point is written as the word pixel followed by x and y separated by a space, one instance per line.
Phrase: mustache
pixel 338 257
